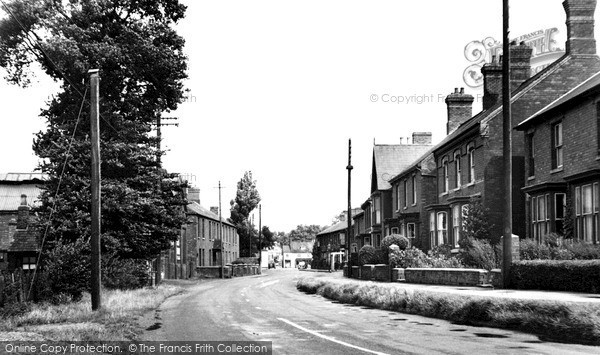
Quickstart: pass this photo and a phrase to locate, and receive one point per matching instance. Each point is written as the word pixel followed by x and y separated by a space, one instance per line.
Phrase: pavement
pixel 484 291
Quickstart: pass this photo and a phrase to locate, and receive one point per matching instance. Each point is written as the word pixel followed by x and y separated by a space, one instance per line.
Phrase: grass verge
pixel 558 321
pixel 75 321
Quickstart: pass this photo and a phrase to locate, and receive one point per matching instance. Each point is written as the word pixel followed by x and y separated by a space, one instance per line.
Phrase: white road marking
pixel 265 284
pixel 329 338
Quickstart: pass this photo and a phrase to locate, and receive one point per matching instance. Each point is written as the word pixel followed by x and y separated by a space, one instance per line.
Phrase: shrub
pixel 124 274
pixel 412 257
pixel 444 250
pixel 476 222
pixel 477 253
pixel 400 240
pixel 67 268
pixel 367 255
pixel 584 251
pixel 557 275
pixel 530 249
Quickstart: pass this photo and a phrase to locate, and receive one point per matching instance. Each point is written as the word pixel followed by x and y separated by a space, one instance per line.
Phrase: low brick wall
pixel 382 273
pixel 495 278
pixel 459 277
pixel 208 272
pixel 238 270
pixel 366 272
pixel 398 274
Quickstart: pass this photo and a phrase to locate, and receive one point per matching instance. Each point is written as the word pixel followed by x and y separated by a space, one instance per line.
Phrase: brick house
pixel 562 165
pixel 469 160
pixel 200 242
pixel 413 190
pixel 388 161
pixel 333 238
pixel 19 239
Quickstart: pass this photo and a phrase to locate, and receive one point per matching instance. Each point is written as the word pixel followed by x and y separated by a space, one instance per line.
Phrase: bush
pixel 412 257
pixel 399 240
pixel 530 249
pixel 67 268
pixel 584 251
pixel 553 249
pixel 124 274
pixel 556 275
pixel 367 255
pixel 444 250
pixel 477 253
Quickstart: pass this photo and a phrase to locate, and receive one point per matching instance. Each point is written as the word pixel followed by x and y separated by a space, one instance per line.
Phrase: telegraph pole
pixel 159 124
pixel 349 219
pixel 95 230
pixel 506 148
pixel 259 241
pixel 221 236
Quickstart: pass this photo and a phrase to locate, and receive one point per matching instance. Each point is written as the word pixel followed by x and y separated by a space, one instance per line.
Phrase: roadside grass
pixel 558 321
pixel 75 321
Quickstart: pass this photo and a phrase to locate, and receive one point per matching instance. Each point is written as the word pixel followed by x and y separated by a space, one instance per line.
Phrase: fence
pixel 15 286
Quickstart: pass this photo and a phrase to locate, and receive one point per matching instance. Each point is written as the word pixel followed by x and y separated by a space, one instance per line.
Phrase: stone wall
pixel 435 276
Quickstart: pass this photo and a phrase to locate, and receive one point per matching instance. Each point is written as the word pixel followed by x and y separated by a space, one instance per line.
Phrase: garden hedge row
pixel 556 275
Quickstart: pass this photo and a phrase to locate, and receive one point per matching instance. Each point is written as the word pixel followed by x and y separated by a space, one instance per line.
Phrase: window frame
pixel 457 170
pixel 557 145
pixel 471 162
pixel 442 227
pixel 445 175
pixel 414 190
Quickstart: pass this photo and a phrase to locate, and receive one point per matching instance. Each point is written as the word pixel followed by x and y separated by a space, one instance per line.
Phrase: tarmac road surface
pixel 268 307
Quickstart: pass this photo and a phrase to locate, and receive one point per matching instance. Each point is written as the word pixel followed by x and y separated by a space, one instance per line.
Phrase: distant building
pixel 200 242
pixel 331 242
pixel 296 252
pixel 19 238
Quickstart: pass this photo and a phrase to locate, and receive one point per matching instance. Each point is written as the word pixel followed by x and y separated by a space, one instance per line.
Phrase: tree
pixel 142 67
pixel 476 223
pixel 304 233
pixel 246 200
pixel 268 238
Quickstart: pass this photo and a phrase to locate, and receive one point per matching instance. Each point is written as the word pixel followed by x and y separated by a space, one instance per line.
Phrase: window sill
pixel 405 207
pixel 456 189
pixel 472 183
pixel 557 170
pixel 531 178
pixel 414 204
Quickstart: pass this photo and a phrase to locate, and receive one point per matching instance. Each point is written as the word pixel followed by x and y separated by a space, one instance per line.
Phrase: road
pixel 268 307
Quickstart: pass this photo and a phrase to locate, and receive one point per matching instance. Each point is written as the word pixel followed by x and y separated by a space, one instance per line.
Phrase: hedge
pixel 556 275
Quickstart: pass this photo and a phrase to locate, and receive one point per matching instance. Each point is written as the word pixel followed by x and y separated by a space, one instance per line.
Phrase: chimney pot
pixel 462 90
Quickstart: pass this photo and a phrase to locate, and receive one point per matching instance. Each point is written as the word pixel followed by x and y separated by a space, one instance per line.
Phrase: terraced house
pixel 430 194
pixel 563 165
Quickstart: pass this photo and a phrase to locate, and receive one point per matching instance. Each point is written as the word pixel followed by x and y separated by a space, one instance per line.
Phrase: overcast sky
pixel 278 87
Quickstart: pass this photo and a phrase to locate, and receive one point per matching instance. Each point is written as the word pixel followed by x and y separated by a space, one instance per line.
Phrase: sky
pixel 279 87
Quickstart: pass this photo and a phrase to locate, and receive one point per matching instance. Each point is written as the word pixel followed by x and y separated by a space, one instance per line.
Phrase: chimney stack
pixel 193 195
pixel 520 64
pixel 460 109
pixel 23 213
pixel 520 71
pixel 492 82
pixel 580 26
pixel 422 138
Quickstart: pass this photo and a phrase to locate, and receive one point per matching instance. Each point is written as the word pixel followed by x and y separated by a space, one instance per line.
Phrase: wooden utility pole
pixel 95 230
pixel 221 236
pixel 259 240
pixel 349 220
pixel 506 148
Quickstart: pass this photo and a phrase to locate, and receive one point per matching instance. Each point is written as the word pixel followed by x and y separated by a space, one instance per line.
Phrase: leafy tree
pixel 246 200
pixel 142 67
pixel 476 223
pixel 268 238
pixel 304 233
